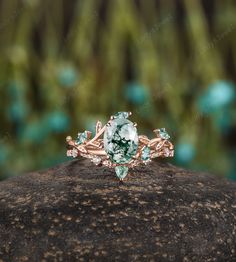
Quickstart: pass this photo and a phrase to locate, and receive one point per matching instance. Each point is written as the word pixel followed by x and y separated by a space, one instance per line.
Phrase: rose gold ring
pixel 118 145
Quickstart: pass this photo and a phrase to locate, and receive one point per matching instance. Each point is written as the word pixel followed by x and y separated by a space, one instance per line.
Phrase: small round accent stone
pixel 121 140
pixel 74 153
pixel 96 160
pixel 68 138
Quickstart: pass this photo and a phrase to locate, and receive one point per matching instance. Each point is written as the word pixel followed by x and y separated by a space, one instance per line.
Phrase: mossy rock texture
pixel 80 212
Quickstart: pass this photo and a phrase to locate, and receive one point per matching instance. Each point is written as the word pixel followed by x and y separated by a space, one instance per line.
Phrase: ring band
pixel 121 147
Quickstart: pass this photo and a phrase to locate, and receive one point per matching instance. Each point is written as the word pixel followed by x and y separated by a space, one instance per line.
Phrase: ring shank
pixel 94 149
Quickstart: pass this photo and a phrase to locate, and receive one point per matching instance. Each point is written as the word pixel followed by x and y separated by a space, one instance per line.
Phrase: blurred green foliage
pixel 65 64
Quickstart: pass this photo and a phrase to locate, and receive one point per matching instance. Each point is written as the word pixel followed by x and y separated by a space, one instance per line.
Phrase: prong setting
pixel 94 148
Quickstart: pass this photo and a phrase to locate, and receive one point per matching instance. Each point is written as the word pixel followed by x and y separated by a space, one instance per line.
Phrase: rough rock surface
pixel 80 212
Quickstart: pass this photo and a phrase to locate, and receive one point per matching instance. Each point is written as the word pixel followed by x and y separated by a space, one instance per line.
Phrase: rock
pixel 80 212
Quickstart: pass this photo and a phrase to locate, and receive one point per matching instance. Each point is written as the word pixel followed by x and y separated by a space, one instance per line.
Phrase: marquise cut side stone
pixel 82 137
pixel 121 115
pixel 146 154
pixel 163 133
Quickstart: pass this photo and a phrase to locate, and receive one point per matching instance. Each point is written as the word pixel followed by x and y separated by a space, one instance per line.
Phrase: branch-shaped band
pixel 117 145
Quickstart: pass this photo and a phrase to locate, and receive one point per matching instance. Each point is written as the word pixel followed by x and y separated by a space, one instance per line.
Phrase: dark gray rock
pixel 80 212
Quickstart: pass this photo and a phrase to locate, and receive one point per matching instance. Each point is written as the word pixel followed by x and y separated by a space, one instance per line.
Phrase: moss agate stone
pixel 121 140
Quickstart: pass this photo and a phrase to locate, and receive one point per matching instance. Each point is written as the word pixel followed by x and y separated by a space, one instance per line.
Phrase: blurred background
pixel 65 64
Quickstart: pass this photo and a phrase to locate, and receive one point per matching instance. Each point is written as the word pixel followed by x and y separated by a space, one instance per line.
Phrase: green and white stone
pixel 121 142
pixel 163 134
pixel 121 115
pixel 145 156
pixel 121 171
pixel 82 137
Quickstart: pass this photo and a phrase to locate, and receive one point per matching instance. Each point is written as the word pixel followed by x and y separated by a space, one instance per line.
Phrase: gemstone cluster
pixel 117 145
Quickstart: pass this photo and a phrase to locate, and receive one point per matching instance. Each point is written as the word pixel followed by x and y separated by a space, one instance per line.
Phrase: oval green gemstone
pixel 121 140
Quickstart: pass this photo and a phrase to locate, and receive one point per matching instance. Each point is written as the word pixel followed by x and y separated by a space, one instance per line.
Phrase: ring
pixel 121 147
